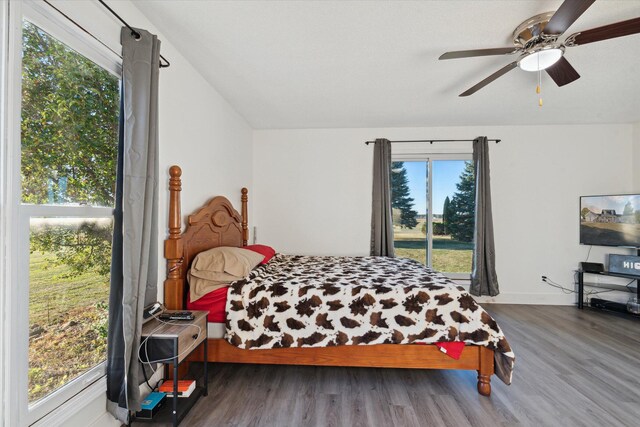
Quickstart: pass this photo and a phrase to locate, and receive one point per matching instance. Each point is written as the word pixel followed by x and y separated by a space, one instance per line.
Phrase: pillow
pixel 200 287
pixel 224 259
pixel 217 267
pixel 265 250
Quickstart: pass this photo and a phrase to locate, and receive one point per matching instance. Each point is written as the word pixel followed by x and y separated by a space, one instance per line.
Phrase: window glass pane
pixel 409 204
pixel 452 203
pixel 69 265
pixel 453 198
pixel 70 110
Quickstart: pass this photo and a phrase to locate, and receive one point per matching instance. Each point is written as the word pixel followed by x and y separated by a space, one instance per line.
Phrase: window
pixel 68 155
pixel 433 203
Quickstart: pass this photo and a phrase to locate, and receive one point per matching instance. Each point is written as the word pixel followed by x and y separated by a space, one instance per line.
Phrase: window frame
pixel 5 211
pixel 429 158
pixel 14 226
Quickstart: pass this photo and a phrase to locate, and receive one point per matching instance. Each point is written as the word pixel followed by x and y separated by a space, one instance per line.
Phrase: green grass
pixel 439 242
pixel 450 256
pixel 454 261
pixel 67 324
pixel 51 296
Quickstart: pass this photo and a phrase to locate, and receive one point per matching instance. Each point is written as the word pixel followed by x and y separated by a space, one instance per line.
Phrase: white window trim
pixel 68 409
pixel 429 158
pixel 46 411
pixel 4 51
pixel 45 17
pixel 422 157
pixel 13 401
pixel 13 344
pixel 65 211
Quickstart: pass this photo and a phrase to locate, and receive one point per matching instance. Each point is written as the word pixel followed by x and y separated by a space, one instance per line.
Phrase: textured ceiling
pixel 375 64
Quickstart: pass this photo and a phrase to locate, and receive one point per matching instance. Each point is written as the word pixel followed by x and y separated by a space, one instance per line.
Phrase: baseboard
pixel 526 298
pixel 529 299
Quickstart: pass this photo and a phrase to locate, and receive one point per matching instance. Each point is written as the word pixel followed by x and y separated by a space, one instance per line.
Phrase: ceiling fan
pixel 537 42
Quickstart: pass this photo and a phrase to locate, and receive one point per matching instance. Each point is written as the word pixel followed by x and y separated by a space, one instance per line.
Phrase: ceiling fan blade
pixel 562 72
pixel 489 79
pixel 478 52
pixel 566 15
pixel 611 31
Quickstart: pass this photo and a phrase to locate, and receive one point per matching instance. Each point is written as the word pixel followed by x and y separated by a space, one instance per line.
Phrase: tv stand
pixel 623 288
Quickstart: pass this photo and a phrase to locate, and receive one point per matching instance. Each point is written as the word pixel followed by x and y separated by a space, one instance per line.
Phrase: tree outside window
pixel 69 134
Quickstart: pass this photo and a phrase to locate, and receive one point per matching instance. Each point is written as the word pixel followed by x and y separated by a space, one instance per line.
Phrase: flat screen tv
pixel 610 220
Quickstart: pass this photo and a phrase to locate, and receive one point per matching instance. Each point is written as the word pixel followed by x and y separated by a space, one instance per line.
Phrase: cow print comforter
pixel 312 301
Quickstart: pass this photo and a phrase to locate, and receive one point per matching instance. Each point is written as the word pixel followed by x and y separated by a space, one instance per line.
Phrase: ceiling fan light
pixel 540 59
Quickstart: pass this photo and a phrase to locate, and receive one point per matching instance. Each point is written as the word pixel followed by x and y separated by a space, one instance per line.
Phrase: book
pixel 185 387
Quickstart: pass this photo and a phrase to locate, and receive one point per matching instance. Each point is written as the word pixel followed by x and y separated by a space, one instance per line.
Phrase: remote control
pixel 181 315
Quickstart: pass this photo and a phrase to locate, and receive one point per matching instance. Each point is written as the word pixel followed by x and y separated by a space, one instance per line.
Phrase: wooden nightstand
pixel 171 343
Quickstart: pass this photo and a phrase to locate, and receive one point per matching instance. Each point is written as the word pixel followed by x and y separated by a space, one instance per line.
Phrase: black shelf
pixel 164 417
pixel 613 287
pixel 609 273
pixel 610 286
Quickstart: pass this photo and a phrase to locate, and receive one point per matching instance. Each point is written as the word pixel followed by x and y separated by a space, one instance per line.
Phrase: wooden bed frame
pixel 217 223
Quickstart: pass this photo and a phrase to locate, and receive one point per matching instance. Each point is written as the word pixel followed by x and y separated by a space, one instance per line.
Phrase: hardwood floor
pixel 573 368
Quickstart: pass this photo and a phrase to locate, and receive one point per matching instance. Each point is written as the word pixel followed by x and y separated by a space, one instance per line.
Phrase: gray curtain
pixel 137 284
pixel 381 215
pixel 484 280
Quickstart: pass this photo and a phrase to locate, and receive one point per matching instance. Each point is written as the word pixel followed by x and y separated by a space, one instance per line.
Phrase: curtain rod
pixel 431 141
pixel 134 33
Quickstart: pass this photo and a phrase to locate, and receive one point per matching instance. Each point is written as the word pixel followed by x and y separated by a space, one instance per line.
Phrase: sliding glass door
pixel 433 201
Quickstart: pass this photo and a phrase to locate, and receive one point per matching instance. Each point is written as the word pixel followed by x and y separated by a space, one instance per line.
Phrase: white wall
pixel 198 130
pixel 636 157
pixel 312 191
pixel 313 194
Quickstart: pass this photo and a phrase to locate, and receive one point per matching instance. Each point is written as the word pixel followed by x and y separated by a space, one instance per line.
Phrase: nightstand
pixel 171 343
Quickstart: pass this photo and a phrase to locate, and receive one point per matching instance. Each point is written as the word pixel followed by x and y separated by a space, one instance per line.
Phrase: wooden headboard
pixel 215 224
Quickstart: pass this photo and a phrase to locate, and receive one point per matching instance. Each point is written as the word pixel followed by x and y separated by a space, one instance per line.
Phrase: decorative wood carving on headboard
pixel 215 224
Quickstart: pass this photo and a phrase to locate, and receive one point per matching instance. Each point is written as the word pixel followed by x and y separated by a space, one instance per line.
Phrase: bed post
pixel 245 221
pixel 173 250
pixel 485 371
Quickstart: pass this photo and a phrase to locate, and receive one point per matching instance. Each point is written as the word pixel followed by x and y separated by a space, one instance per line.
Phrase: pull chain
pixel 539 87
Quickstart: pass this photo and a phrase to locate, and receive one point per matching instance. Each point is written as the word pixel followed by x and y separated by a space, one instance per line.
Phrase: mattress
pixel 214 302
pixel 215 330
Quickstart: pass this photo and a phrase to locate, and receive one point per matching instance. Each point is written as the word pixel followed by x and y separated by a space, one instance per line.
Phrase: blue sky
pixel 446 174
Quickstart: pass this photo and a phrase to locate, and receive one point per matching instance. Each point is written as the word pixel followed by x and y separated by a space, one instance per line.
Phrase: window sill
pixel 63 413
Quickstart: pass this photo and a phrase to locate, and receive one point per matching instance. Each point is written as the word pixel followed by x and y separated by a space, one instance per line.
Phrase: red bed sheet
pixel 215 302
